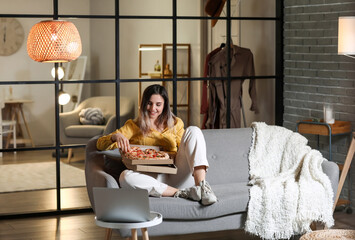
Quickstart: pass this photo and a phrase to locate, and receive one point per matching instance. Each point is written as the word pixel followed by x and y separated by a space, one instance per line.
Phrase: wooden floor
pixel 42 200
pixel 82 226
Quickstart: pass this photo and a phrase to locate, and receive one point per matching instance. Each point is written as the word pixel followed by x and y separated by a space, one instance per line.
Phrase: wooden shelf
pixel 343 202
pixel 339 127
pixel 163 48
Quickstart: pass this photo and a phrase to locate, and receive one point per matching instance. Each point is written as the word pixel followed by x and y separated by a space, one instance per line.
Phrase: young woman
pixel 156 125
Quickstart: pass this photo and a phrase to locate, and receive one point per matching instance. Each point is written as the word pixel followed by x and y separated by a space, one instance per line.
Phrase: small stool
pixel 329 234
pixel 155 219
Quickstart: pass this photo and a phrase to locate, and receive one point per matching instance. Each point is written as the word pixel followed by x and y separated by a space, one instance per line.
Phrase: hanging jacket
pixel 204 98
pixel 242 64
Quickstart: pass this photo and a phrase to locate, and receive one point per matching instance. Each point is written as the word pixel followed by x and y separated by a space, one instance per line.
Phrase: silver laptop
pixel 121 205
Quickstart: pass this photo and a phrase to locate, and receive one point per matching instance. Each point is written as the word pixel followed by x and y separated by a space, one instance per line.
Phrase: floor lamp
pixel 346 167
pixel 346 46
pixel 55 41
pixel 63 99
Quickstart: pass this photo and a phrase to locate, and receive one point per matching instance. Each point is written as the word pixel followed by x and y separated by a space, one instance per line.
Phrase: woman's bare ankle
pixel 169 192
pixel 199 174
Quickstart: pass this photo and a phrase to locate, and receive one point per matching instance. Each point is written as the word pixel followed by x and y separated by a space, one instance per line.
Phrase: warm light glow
pixel 346 35
pixel 60 73
pixel 64 98
pixel 149 48
pixel 54 41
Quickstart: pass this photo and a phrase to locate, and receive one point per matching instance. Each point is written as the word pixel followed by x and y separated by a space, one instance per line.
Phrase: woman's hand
pixel 122 141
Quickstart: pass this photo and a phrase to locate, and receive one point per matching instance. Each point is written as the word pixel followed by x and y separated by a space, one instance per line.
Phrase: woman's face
pixel 155 106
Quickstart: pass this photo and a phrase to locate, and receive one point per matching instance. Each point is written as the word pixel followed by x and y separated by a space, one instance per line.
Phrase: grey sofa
pixel 227 152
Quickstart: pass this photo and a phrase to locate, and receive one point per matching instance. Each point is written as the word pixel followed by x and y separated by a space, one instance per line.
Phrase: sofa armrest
pixel 95 174
pixel 331 169
pixel 69 118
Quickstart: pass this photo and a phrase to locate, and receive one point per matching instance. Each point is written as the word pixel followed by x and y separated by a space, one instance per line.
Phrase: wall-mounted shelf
pixel 164 54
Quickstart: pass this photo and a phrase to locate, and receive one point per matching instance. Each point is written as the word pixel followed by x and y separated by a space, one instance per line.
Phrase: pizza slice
pixel 137 153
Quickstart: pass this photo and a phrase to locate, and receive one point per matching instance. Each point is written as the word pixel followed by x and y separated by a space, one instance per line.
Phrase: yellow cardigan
pixel 169 139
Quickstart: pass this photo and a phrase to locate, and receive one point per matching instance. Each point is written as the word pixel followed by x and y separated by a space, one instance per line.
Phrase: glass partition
pixel 145 7
pixel 146 55
pixel 27 7
pixel 32 113
pixel 136 32
pixel 88 7
pixel 28 182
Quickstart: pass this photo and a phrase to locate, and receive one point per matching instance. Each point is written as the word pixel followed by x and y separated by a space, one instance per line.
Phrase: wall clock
pixel 11 36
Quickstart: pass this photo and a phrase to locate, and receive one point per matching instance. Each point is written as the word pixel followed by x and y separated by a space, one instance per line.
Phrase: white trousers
pixel 191 153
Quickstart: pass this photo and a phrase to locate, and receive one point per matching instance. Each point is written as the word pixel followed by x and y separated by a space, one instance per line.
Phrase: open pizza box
pixel 150 165
pixel 166 168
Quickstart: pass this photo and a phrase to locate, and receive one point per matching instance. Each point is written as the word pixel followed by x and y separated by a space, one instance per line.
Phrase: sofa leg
pixel 134 234
pixel 108 234
pixel 70 152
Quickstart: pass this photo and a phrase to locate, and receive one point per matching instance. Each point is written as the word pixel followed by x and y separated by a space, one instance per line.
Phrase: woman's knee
pixel 193 131
pixel 126 178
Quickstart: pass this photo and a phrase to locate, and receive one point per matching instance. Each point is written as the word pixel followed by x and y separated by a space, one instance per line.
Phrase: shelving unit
pixel 183 71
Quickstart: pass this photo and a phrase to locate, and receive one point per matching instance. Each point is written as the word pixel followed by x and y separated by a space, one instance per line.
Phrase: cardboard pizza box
pixel 147 162
pixel 143 147
pixel 166 168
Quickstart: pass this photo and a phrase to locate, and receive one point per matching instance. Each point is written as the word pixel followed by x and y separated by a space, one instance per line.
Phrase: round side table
pixel 330 234
pixel 155 219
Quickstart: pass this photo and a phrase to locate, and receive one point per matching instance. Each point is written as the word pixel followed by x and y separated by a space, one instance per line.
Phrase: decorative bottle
pixel 167 72
pixel 157 67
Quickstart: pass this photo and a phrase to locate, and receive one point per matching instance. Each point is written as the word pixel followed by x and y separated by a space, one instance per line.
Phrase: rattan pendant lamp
pixel 54 41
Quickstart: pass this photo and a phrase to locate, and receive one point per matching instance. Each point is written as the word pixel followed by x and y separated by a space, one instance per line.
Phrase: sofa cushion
pixel 84 131
pixel 232 198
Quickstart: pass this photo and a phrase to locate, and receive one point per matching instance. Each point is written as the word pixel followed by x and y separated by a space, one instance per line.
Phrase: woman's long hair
pixel 165 119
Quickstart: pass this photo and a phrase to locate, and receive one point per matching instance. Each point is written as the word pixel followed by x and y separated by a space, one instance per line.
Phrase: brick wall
pixel 315 74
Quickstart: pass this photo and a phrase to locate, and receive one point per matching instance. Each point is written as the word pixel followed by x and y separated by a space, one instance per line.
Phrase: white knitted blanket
pixel 289 189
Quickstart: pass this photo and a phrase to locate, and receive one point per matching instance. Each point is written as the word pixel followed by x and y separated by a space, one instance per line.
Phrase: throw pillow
pixel 91 116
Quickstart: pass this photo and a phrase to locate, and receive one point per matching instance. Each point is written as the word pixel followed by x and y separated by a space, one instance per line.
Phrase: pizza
pixel 137 153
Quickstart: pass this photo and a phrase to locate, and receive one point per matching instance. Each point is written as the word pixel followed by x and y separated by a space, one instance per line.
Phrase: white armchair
pixel 73 132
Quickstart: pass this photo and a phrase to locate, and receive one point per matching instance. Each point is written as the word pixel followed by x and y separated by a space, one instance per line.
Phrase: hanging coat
pixel 242 64
pixel 204 98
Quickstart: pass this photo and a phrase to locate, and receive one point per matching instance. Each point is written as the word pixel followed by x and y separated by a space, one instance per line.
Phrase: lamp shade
pixel 54 41
pixel 346 35
pixel 60 71
pixel 63 98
